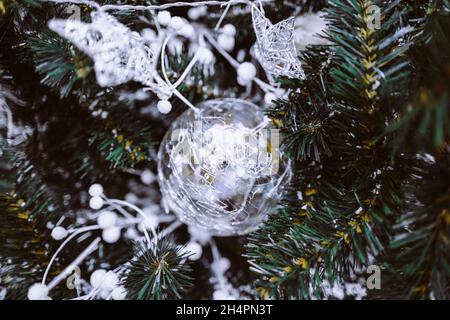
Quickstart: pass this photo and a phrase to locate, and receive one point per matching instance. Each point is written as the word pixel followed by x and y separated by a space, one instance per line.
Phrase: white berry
pixel 96 203
pixel 119 293
pixel 164 18
pixel 148 34
pixel 104 294
pixel 226 42
pixel 97 277
pixel 147 177
pixel 187 30
pixel 110 281
pixel 222 264
pixel 176 23
pixel 243 82
pixel 194 14
pixel 229 30
pixel 106 219
pixel 95 190
pixel 164 106
pixel 195 250
pixel 246 71
pixel 111 235
pixel 59 233
pixel 205 56
pixel 38 291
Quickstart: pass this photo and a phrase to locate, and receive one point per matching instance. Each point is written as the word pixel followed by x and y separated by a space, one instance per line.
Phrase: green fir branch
pixel 158 272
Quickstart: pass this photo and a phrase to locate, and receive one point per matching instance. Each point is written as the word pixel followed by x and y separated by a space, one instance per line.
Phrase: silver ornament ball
pixel 220 168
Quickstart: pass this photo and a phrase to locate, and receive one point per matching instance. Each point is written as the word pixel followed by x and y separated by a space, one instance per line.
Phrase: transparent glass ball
pixel 220 169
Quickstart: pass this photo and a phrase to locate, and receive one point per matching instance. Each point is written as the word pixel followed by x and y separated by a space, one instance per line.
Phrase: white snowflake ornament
pixel 119 54
pixel 275 47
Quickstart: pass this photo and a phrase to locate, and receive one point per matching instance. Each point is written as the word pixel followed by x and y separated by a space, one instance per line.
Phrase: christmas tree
pixel 224 149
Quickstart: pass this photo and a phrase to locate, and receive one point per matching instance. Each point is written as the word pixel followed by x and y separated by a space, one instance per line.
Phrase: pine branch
pixel 305 119
pixel 337 212
pixel 424 123
pixel 58 62
pixel 159 272
pixel 25 210
pixel 421 246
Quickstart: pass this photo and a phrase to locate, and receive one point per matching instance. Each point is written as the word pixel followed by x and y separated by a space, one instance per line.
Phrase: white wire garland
pixel 45 287
pixel 163 87
pixel 127 220
pixel 126 7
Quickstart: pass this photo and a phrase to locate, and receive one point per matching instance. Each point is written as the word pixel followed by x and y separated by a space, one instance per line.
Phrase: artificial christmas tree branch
pixel 366 133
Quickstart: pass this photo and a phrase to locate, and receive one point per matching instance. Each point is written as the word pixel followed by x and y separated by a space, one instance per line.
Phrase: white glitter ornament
pixel 220 169
pixel 119 54
pixel 275 48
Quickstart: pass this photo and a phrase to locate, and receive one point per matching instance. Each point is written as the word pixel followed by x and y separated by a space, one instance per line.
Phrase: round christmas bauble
pixel 220 168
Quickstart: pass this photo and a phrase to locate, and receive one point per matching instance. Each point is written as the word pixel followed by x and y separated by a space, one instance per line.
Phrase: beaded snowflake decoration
pixel 119 54
pixel 275 48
